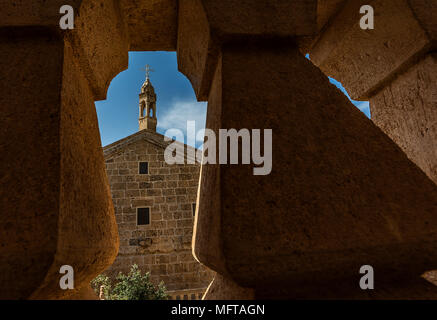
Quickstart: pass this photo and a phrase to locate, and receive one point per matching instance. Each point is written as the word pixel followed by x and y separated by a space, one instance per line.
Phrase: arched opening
pixel 176 102
pixel 136 173
pixel 142 109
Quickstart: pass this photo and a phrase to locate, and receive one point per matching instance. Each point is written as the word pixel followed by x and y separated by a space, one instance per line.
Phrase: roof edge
pixel 150 136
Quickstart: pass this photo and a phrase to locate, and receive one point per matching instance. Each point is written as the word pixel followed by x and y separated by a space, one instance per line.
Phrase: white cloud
pixel 177 115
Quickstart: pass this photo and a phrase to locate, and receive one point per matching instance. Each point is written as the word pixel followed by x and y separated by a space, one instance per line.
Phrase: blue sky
pixel 176 101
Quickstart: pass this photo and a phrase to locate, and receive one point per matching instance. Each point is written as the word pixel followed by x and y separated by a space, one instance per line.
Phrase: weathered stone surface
pixel 67 217
pixel 87 234
pixel 273 18
pixel 373 65
pixel 207 234
pixel 100 43
pixel 197 52
pixel 28 233
pixel 425 12
pixel 33 13
pixel 204 25
pixel 99 40
pixel 337 212
pixel 222 288
pixel 406 110
pixel 364 61
pixel 326 10
pixel 152 24
pixel 61 213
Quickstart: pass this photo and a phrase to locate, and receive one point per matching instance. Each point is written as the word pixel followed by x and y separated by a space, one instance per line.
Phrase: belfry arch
pixel 263 240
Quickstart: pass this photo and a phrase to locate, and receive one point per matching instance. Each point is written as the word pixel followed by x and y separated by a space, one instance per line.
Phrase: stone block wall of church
pixel 163 247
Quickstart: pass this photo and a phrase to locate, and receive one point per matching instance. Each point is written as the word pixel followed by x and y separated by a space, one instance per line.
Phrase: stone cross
pixel 147 69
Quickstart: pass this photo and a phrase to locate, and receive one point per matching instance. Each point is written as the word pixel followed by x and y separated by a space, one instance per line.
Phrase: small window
pixel 193 207
pixel 143 216
pixel 144 168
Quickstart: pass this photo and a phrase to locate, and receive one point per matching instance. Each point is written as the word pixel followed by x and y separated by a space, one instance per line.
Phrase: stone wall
pixel 190 294
pixel 163 247
pixel 406 111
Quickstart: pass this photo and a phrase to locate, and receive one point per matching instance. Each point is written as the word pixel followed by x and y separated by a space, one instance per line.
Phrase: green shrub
pixel 102 280
pixel 133 286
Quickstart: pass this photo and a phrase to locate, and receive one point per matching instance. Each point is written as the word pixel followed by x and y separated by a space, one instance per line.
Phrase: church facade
pixel 155 206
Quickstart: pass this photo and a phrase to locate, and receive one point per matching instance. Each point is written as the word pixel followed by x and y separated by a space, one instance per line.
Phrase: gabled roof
pixel 146 135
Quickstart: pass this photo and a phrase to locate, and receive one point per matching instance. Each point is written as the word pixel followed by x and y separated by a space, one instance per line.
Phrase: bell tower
pixel 147 118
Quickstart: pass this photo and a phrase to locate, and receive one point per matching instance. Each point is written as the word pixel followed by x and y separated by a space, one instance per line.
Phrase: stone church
pixel 155 205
